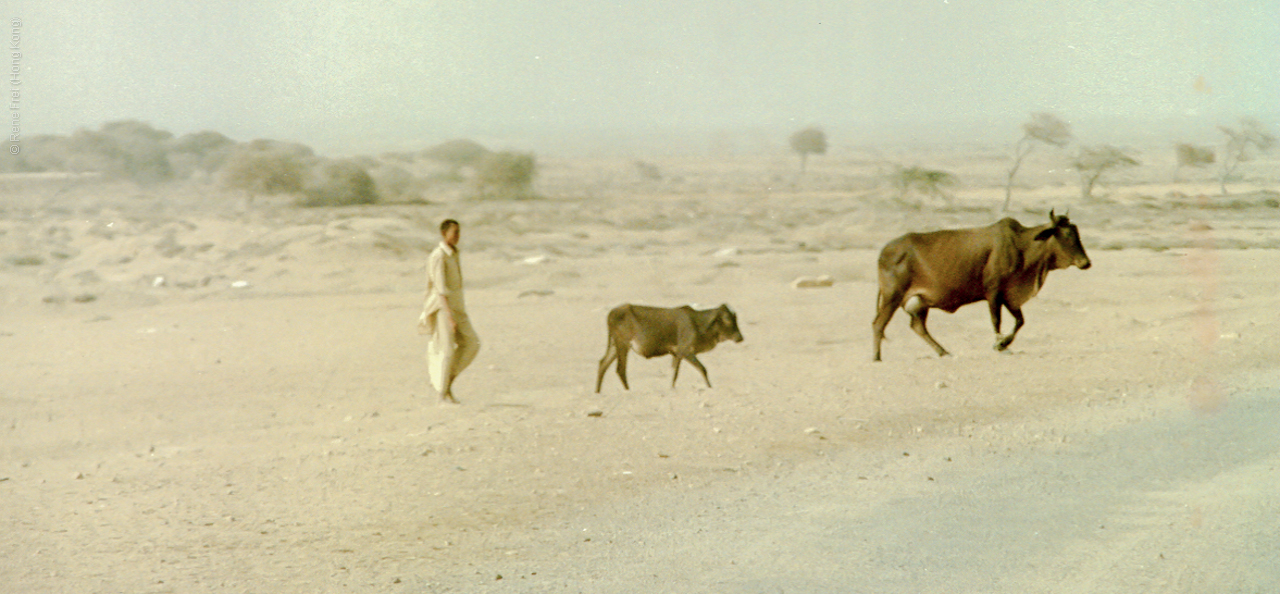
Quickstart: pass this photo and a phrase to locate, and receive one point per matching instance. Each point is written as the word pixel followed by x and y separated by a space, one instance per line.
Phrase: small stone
pixel 812 282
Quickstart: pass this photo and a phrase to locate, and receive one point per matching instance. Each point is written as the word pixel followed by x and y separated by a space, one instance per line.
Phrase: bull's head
pixel 725 324
pixel 1069 250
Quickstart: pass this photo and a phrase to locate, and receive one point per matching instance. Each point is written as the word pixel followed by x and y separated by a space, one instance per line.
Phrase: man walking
pixel 454 343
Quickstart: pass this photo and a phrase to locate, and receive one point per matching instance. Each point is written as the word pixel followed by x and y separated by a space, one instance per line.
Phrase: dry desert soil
pixel 204 392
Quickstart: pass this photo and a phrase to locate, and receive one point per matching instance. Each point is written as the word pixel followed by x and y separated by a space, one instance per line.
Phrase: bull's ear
pixel 1046 234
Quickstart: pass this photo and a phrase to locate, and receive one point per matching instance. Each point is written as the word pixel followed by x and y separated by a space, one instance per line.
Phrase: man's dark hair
pixel 445 224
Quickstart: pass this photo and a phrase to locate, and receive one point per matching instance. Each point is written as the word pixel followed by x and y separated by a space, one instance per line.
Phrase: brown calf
pixel 681 332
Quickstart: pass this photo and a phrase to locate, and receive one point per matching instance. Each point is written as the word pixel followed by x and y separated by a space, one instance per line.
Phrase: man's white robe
pixel 454 343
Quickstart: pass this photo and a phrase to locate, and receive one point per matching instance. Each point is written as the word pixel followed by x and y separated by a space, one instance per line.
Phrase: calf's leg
pixel 693 360
pixel 622 348
pixel 610 355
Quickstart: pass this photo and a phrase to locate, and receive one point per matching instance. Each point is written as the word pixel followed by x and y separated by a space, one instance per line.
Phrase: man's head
pixel 450 230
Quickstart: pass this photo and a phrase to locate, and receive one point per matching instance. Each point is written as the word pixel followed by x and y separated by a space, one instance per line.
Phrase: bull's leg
pixel 693 360
pixel 886 305
pixel 919 313
pixel 1003 343
pixel 610 355
pixel 675 368
pixel 995 306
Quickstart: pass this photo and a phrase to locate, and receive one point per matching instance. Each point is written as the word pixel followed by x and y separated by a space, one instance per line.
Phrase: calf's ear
pixel 1046 234
pixel 711 321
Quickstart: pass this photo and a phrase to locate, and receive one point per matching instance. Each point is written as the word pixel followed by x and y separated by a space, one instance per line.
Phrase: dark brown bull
pixel 681 332
pixel 1004 264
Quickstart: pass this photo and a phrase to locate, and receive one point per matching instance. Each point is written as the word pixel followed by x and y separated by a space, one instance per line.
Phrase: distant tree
pixel 393 182
pixel 1044 128
pixel 205 152
pixel 398 156
pixel 141 154
pixel 506 174
pixel 126 149
pixel 1243 144
pixel 341 183
pixel 1190 155
pixel 267 167
pixel 1092 161
pixel 134 129
pixel 809 141
pixel 648 170
pixel 40 152
pixel 927 182
pixel 458 153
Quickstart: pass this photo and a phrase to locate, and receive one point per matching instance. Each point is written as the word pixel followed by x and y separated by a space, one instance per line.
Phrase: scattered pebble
pixel 595 413
pixel 812 282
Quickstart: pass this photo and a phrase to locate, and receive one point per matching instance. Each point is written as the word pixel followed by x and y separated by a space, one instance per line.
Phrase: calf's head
pixel 724 325
pixel 1068 251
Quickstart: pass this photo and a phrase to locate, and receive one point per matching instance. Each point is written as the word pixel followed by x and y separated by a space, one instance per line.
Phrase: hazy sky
pixel 411 72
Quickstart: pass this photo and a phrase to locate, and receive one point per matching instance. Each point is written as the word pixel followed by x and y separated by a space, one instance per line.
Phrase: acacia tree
pixel 1243 144
pixel 1043 128
pixel 1092 161
pixel 506 174
pixel 809 141
pixel 1190 155
pixel 928 182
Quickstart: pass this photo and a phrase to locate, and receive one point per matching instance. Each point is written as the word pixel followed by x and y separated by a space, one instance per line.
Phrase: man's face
pixel 452 234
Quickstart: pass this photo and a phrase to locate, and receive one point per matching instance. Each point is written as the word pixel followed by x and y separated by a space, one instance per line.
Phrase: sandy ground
pixel 208 394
